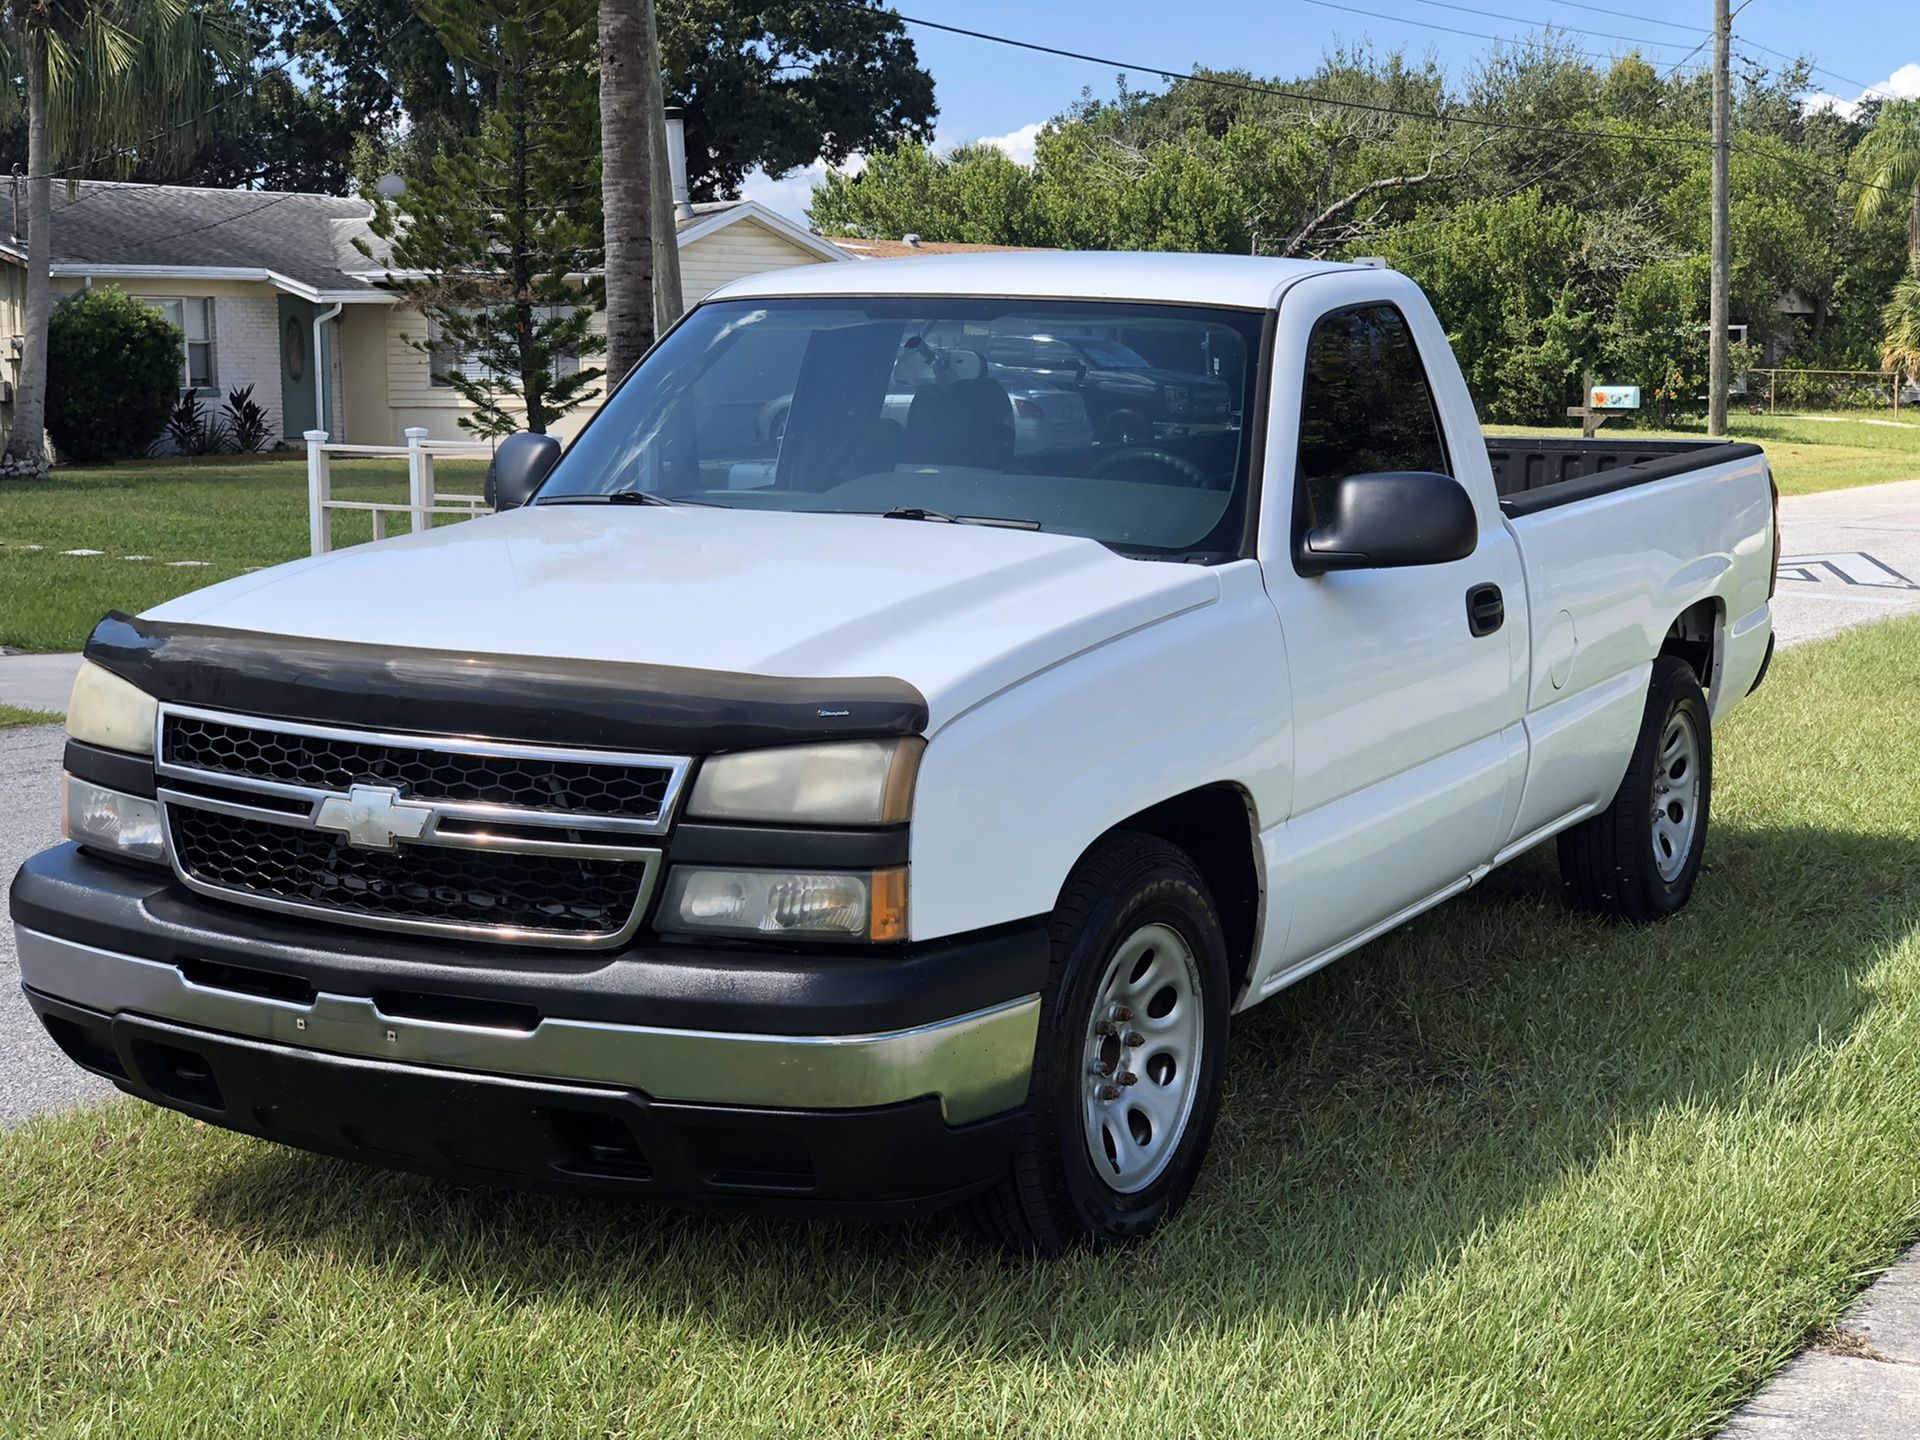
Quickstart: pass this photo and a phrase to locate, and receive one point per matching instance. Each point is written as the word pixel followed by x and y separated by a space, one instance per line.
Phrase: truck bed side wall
pixel 1606 578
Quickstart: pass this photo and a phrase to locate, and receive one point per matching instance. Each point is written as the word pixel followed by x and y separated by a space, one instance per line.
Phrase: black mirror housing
pixel 1390 520
pixel 520 463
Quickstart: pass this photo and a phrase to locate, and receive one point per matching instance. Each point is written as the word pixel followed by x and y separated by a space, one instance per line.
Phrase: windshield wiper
pixel 916 512
pixel 624 497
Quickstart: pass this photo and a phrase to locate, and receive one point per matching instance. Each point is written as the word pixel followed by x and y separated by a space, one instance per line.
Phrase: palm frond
pixel 1887 162
pixel 135 79
pixel 1900 350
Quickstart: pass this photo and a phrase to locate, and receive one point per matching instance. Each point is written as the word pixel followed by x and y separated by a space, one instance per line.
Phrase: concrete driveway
pixel 34 1075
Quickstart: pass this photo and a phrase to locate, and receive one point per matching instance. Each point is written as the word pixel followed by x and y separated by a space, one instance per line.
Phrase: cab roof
pixel 1242 281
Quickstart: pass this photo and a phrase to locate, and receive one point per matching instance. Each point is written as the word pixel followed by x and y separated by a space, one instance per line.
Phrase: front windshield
pixel 1109 356
pixel 946 407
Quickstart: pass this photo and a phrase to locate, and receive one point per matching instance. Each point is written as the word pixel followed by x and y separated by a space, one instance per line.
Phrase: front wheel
pixel 1637 859
pixel 1127 1071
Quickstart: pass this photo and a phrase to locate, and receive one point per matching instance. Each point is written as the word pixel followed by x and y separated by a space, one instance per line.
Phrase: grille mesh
pixel 488 890
pixel 575 787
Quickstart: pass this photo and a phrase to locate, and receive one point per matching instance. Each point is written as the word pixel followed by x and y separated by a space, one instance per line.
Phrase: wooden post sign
pixel 1603 402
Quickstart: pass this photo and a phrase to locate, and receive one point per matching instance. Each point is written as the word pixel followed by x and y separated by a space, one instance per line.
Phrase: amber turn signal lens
pixel 887 920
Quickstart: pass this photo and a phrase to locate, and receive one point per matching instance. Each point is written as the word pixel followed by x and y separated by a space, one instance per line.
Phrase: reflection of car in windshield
pixel 1044 418
pixel 1128 396
pixel 894 404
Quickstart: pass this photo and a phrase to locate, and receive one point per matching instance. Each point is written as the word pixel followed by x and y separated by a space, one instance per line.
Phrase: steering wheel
pixel 1188 472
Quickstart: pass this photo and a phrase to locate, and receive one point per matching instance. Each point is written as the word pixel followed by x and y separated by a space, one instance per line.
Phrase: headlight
pixel 105 710
pixel 125 824
pixel 842 782
pixel 771 904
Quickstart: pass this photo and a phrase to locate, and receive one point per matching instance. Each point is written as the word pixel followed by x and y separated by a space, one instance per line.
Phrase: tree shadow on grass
pixel 1378 1115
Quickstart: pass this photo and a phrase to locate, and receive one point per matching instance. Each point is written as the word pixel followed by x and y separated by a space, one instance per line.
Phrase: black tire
pixel 1053 1197
pixel 1125 427
pixel 1612 864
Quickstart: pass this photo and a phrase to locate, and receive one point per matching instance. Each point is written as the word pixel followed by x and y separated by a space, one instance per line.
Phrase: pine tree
pixel 499 242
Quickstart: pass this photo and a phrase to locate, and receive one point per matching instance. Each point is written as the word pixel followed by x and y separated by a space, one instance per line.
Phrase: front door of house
pixel 297 394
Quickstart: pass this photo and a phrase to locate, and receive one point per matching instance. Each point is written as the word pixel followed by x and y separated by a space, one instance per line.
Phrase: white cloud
pixel 793 192
pixel 1016 145
pixel 1904 83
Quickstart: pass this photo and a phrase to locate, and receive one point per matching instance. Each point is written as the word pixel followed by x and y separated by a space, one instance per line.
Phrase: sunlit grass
pixel 227 517
pixel 1508 1172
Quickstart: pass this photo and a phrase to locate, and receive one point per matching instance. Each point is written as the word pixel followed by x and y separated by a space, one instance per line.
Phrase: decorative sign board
pixel 1614 397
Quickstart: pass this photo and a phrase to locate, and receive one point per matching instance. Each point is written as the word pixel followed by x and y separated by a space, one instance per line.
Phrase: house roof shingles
pixel 309 239
pixel 303 237
pixel 900 249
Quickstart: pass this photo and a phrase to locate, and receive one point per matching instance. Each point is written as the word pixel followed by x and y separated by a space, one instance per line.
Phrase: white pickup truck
pixel 880 814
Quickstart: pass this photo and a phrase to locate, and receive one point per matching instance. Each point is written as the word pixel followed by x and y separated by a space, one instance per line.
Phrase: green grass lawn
pixel 1808 453
pixel 234 517
pixel 1508 1172
pixel 11 715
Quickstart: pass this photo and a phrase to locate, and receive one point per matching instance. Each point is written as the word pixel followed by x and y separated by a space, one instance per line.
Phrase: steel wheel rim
pixel 1143 1055
pixel 1676 796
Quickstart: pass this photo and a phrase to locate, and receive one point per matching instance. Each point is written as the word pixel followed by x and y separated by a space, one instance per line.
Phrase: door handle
pixel 1486 609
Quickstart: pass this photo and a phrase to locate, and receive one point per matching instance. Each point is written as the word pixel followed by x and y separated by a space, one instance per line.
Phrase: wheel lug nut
pixel 1134 1039
pixel 1106 1027
pixel 1122 1013
pixel 1109 1092
pixel 1127 1077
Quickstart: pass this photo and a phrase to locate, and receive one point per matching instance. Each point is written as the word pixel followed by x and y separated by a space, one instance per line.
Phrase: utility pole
pixel 664 172
pixel 1718 380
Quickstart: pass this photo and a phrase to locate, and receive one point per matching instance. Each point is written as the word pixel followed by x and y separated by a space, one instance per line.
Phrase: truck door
pixel 1408 683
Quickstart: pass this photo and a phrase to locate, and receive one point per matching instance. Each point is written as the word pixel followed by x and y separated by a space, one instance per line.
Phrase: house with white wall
pixel 272 291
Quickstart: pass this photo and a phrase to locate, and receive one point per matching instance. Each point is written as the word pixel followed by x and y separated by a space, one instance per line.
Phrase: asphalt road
pixel 1848 558
pixel 34 1075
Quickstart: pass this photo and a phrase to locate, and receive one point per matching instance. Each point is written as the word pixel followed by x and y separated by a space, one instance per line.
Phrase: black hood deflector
pixel 667 709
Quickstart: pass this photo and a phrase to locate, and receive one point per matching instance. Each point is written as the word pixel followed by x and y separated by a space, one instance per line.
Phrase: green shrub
pixel 113 375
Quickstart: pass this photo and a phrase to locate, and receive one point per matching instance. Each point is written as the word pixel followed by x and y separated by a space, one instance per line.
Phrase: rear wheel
pixel 1638 859
pixel 1126 1082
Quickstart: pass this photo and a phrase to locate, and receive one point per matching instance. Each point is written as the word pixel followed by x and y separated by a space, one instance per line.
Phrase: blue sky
pixel 993 92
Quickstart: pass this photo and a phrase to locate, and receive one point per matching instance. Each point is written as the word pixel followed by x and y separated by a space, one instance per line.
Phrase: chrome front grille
pixel 567 783
pixel 486 840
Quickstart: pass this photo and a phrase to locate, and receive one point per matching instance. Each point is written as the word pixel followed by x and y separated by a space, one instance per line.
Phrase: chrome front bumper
pixel 977 1064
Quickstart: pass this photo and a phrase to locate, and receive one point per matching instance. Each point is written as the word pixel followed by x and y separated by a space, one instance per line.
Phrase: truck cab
pixel 872 813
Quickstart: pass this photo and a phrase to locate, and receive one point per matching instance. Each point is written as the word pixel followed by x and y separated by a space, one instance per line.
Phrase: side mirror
pixel 520 463
pixel 1389 520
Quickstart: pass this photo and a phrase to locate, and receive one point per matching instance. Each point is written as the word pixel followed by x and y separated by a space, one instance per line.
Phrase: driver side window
pixel 1365 406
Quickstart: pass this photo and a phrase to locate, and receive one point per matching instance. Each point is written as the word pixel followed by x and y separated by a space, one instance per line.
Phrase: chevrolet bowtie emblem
pixel 373 816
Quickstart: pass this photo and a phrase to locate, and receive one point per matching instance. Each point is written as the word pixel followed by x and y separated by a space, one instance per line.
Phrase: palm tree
pixel 1887 166
pixel 108 83
pixel 629 99
pixel 1900 320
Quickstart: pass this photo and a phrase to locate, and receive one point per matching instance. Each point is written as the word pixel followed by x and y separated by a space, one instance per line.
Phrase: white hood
pixel 958 611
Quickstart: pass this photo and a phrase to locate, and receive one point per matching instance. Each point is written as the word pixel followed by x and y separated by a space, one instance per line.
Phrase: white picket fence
pixel 423 500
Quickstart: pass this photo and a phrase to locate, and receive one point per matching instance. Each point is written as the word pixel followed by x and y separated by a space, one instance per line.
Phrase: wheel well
pixel 1215 825
pixel 1693 636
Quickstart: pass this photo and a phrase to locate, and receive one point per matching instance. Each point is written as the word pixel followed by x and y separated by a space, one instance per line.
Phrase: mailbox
pixel 1614 397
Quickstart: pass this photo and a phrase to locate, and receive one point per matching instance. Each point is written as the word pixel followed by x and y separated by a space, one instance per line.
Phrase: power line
pixel 1528 20
pixel 1587 6
pixel 1226 82
pixel 1577 153
pixel 1455 30
pixel 1255 87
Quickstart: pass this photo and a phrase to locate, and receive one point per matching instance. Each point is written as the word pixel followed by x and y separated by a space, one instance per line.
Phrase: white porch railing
pixel 423 502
